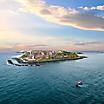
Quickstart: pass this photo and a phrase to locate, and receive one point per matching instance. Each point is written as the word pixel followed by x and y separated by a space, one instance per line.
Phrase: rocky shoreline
pixel 37 63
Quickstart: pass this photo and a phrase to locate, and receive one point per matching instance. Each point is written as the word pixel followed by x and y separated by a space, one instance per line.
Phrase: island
pixel 35 57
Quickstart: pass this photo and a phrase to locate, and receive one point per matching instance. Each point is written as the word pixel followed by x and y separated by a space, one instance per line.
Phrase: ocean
pixel 53 83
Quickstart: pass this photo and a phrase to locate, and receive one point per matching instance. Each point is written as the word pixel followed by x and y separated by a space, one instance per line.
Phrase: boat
pixel 79 84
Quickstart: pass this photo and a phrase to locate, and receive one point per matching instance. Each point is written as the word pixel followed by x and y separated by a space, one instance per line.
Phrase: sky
pixel 52 24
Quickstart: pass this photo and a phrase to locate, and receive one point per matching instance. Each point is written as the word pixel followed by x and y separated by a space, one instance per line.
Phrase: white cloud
pixel 64 16
pixel 84 8
pixel 100 7
pixel 92 45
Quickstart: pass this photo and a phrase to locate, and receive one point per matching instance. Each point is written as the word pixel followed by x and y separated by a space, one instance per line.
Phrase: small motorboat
pixel 79 84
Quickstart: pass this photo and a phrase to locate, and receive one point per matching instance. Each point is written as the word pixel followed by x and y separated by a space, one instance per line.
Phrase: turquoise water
pixel 53 83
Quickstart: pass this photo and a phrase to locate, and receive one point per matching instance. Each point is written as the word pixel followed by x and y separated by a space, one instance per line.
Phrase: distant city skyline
pixel 52 24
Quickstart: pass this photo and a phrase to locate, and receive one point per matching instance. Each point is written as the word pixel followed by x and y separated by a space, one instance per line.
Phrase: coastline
pixel 48 61
pixel 36 57
pixel 58 60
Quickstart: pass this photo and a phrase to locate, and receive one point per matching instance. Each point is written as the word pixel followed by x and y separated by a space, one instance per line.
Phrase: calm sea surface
pixel 53 83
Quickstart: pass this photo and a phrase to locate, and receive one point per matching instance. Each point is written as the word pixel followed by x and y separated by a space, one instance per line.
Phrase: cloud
pixel 84 8
pixel 92 45
pixel 29 47
pixel 20 46
pixel 64 16
pixel 14 37
pixel 89 43
pixel 100 7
